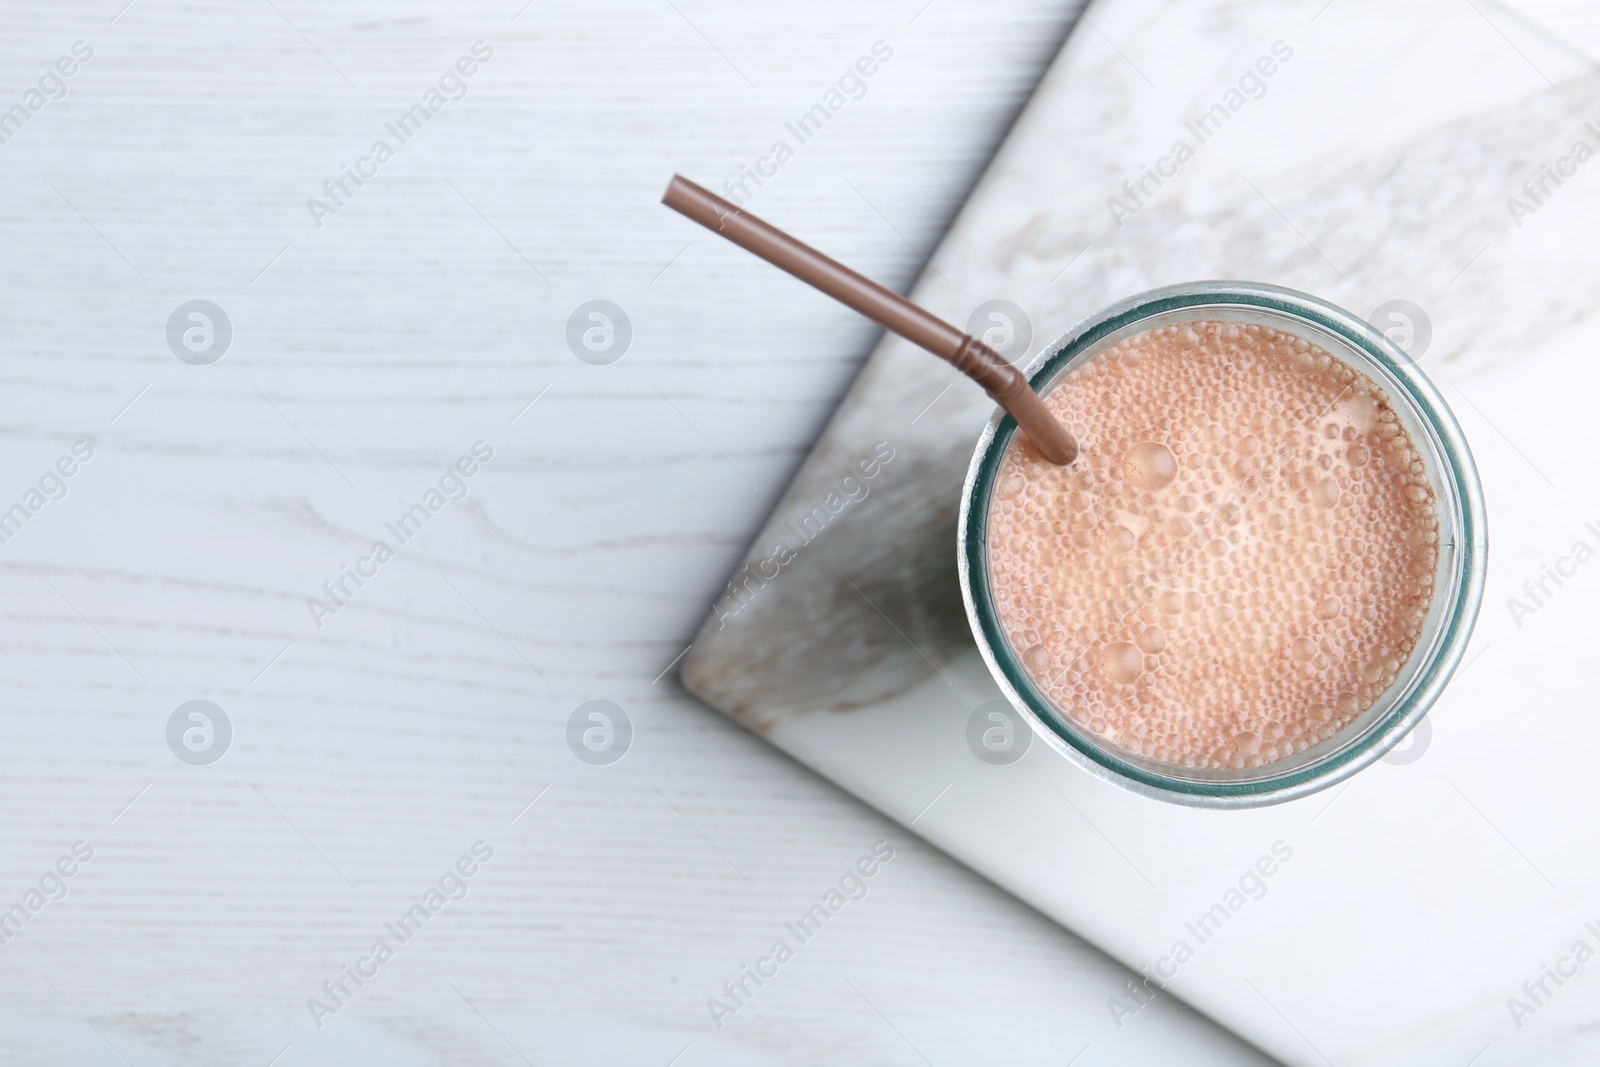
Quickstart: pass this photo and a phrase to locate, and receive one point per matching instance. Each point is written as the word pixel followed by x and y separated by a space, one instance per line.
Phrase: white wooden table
pixel 427 313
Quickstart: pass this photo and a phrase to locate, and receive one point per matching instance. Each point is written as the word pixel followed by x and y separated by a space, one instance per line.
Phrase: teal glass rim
pixel 1458 588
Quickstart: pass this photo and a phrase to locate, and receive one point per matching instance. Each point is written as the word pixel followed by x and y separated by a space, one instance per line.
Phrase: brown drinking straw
pixel 1002 381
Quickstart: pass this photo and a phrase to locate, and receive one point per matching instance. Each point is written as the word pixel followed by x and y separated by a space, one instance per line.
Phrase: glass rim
pixel 1463 515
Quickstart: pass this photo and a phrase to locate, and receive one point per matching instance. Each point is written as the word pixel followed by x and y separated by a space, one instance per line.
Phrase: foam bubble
pixel 1121 662
pixel 1153 640
pixel 1150 465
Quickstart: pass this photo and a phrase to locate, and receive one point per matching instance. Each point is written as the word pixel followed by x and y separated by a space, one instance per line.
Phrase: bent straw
pixel 1003 382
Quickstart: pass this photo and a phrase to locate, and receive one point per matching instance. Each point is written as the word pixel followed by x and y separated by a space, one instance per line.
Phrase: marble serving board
pixel 1411 913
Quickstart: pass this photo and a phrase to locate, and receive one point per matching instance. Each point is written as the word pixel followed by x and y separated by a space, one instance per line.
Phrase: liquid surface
pixel 1239 563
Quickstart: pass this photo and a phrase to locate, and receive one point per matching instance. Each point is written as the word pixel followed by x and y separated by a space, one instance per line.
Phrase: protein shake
pixel 1240 562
